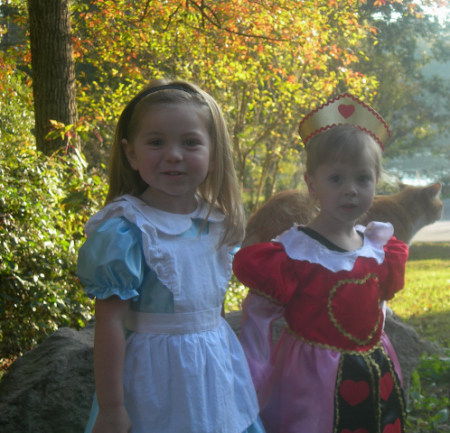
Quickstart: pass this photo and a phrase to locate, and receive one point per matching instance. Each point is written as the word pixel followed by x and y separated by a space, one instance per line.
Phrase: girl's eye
pixel 364 178
pixel 155 143
pixel 335 178
pixel 191 143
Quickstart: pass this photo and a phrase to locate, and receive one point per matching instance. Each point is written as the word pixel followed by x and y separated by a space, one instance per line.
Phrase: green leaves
pixel 44 204
pixel 265 63
pixel 429 400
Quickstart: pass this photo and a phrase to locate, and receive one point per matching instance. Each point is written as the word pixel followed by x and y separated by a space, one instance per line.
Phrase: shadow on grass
pixel 429 250
pixel 432 327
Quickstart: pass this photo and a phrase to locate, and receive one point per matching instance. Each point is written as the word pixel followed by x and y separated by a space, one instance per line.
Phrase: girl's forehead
pixel 193 110
pixel 162 111
pixel 343 161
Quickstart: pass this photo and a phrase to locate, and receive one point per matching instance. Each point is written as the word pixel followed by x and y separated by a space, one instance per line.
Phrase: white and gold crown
pixel 345 109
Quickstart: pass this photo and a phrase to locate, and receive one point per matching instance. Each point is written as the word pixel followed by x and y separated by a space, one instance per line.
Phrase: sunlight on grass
pixel 424 303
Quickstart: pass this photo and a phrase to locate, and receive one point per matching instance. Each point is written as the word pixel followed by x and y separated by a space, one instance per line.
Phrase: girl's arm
pixel 109 355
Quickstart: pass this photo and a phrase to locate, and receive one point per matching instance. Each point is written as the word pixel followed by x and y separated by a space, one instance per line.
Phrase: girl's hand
pixel 114 421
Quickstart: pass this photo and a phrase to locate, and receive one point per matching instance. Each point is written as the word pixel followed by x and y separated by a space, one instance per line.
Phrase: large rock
pixel 50 388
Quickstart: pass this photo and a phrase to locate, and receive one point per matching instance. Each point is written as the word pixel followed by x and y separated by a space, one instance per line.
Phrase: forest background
pixel 67 69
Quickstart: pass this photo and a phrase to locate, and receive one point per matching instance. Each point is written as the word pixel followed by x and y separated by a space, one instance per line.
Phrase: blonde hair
pixel 342 143
pixel 220 188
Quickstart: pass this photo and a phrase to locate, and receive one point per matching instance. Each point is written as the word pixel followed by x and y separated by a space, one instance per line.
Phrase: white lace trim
pixel 169 223
pixel 300 246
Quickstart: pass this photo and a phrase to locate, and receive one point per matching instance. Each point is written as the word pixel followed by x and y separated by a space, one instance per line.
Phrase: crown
pixel 348 110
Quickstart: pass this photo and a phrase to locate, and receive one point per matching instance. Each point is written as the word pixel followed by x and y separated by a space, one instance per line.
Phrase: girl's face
pixel 172 152
pixel 343 190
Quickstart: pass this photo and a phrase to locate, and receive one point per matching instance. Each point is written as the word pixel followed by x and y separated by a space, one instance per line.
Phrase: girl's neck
pixel 340 234
pixel 170 204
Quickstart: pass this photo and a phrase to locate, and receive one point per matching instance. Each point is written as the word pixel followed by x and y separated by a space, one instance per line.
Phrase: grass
pixel 424 304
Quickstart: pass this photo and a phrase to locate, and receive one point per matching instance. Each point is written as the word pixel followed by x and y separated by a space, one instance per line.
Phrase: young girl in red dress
pixel 333 369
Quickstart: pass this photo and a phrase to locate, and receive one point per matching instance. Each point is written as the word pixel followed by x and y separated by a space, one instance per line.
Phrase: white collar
pixel 299 246
pixel 172 224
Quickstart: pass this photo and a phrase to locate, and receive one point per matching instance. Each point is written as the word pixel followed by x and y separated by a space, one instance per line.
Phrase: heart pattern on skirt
pixel 354 392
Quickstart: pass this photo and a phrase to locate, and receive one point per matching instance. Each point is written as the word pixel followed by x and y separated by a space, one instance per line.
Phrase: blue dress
pixel 184 370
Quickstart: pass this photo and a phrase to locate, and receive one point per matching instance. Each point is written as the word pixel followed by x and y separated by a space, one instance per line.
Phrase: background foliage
pixel 267 63
pixel 44 203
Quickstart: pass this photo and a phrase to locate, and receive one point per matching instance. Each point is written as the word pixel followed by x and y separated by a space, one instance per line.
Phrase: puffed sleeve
pixel 392 275
pixel 267 270
pixel 111 262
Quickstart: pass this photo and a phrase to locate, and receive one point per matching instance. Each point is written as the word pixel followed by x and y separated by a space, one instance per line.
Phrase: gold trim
pixel 398 388
pixel 333 318
pixel 327 346
pixel 336 393
pixel 266 296
pixel 376 386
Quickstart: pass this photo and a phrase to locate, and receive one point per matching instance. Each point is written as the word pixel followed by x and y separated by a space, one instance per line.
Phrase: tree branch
pixel 218 24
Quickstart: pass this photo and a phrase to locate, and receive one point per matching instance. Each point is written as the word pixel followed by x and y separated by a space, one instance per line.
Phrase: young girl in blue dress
pixel 333 369
pixel 158 259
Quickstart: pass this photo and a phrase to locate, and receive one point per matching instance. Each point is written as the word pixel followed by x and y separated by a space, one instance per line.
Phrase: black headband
pixel 128 111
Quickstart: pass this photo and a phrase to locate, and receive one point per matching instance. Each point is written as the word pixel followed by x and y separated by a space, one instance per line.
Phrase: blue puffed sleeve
pixel 111 261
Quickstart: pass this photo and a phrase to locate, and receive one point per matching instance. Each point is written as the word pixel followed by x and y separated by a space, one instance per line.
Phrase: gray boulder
pixel 50 388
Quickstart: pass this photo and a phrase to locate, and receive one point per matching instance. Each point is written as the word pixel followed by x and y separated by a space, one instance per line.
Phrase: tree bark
pixel 53 70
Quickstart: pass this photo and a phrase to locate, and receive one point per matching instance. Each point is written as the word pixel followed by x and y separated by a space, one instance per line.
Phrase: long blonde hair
pixel 220 188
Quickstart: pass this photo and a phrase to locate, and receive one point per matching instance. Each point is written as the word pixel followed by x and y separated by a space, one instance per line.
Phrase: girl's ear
pixel 129 152
pixel 310 184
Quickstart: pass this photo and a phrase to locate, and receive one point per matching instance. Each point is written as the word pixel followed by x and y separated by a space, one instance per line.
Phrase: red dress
pixel 333 369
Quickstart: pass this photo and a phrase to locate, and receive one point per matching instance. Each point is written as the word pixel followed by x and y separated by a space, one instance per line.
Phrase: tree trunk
pixel 53 69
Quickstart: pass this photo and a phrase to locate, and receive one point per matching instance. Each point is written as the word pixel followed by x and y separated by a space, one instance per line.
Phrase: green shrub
pixel 429 401
pixel 44 204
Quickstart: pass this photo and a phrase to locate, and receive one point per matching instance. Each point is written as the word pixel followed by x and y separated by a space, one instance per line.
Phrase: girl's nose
pixel 351 190
pixel 174 152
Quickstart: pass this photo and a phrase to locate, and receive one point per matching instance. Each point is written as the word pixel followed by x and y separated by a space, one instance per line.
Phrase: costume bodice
pixel 331 299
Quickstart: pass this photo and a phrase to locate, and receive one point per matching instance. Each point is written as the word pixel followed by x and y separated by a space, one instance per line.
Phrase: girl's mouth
pixel 348 206
pixel 173 173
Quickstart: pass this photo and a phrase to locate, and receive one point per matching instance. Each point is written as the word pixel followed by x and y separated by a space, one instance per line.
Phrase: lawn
pixel 424 304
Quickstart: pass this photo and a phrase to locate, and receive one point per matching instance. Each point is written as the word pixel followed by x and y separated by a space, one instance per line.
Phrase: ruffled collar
pixel 299 246
pixel 166 222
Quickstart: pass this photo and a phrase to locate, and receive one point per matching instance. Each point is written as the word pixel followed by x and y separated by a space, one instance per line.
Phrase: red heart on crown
pixel 393 428
pixel 346 110
pixel 354 392
pixel 386 385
